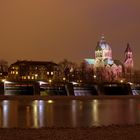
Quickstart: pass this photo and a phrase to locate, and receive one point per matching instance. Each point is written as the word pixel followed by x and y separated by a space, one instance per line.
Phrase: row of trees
pixel 86 73
pixel 3 66
pixel 70 71
pixel 3 69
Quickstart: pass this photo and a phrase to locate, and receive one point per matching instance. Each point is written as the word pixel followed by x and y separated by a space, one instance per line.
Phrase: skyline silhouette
pixel 55 30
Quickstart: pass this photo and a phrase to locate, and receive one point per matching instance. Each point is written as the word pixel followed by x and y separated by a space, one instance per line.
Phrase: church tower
pixel 103 53
pixel 128 63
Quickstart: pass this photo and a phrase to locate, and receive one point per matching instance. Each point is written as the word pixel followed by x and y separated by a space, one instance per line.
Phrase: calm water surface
pixel 68 113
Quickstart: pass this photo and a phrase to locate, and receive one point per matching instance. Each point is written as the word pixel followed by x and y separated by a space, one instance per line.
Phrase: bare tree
pixel 3 66
pixel 67 69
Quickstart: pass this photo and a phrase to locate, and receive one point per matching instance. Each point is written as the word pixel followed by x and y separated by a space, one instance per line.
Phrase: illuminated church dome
pixel 103 44
pixel 107 69
pixel 103 50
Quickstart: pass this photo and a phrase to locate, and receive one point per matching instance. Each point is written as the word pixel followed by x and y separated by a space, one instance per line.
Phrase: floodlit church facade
pixel 106 69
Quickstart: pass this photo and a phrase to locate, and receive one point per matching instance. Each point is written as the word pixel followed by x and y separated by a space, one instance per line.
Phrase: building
pixel 128 64
pixel 33 71
pixel 106 69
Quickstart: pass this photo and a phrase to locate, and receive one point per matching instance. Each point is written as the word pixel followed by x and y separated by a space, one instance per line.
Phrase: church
pixel 108 69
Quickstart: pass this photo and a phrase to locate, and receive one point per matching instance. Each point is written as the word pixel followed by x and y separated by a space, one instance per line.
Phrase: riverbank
pixel 113 132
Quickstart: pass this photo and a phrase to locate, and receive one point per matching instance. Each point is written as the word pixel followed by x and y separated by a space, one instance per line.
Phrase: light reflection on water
pixel 95 114
pixel 68 113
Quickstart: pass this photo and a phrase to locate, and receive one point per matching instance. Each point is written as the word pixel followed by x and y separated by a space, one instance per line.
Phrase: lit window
pixel 23 77
pixel 16 72
pixel 52 73
pixel 36 75
pixel 64 78
pixel 32 77
pixel 48 73
pixel 28 77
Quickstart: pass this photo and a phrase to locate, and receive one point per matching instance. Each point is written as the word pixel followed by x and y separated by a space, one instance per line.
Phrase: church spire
pixel 128 49
pixel 128 63
pixel 128 52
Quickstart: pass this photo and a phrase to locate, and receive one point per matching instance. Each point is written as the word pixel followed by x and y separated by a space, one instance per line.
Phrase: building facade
pixel 106 68
pixel 33 71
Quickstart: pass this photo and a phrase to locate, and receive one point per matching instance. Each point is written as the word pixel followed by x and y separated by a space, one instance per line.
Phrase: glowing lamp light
pixel 42 82
pixel 3 80
pixel 130 83
pixel 74 83
pixel 50 101
pixel 7 82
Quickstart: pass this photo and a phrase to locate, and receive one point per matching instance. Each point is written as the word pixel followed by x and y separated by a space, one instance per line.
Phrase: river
pixel 32 112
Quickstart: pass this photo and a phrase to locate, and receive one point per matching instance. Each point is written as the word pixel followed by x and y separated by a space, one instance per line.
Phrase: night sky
pixel 51 30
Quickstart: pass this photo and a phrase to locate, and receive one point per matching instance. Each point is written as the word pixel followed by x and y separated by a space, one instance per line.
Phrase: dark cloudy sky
pixel 57 29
